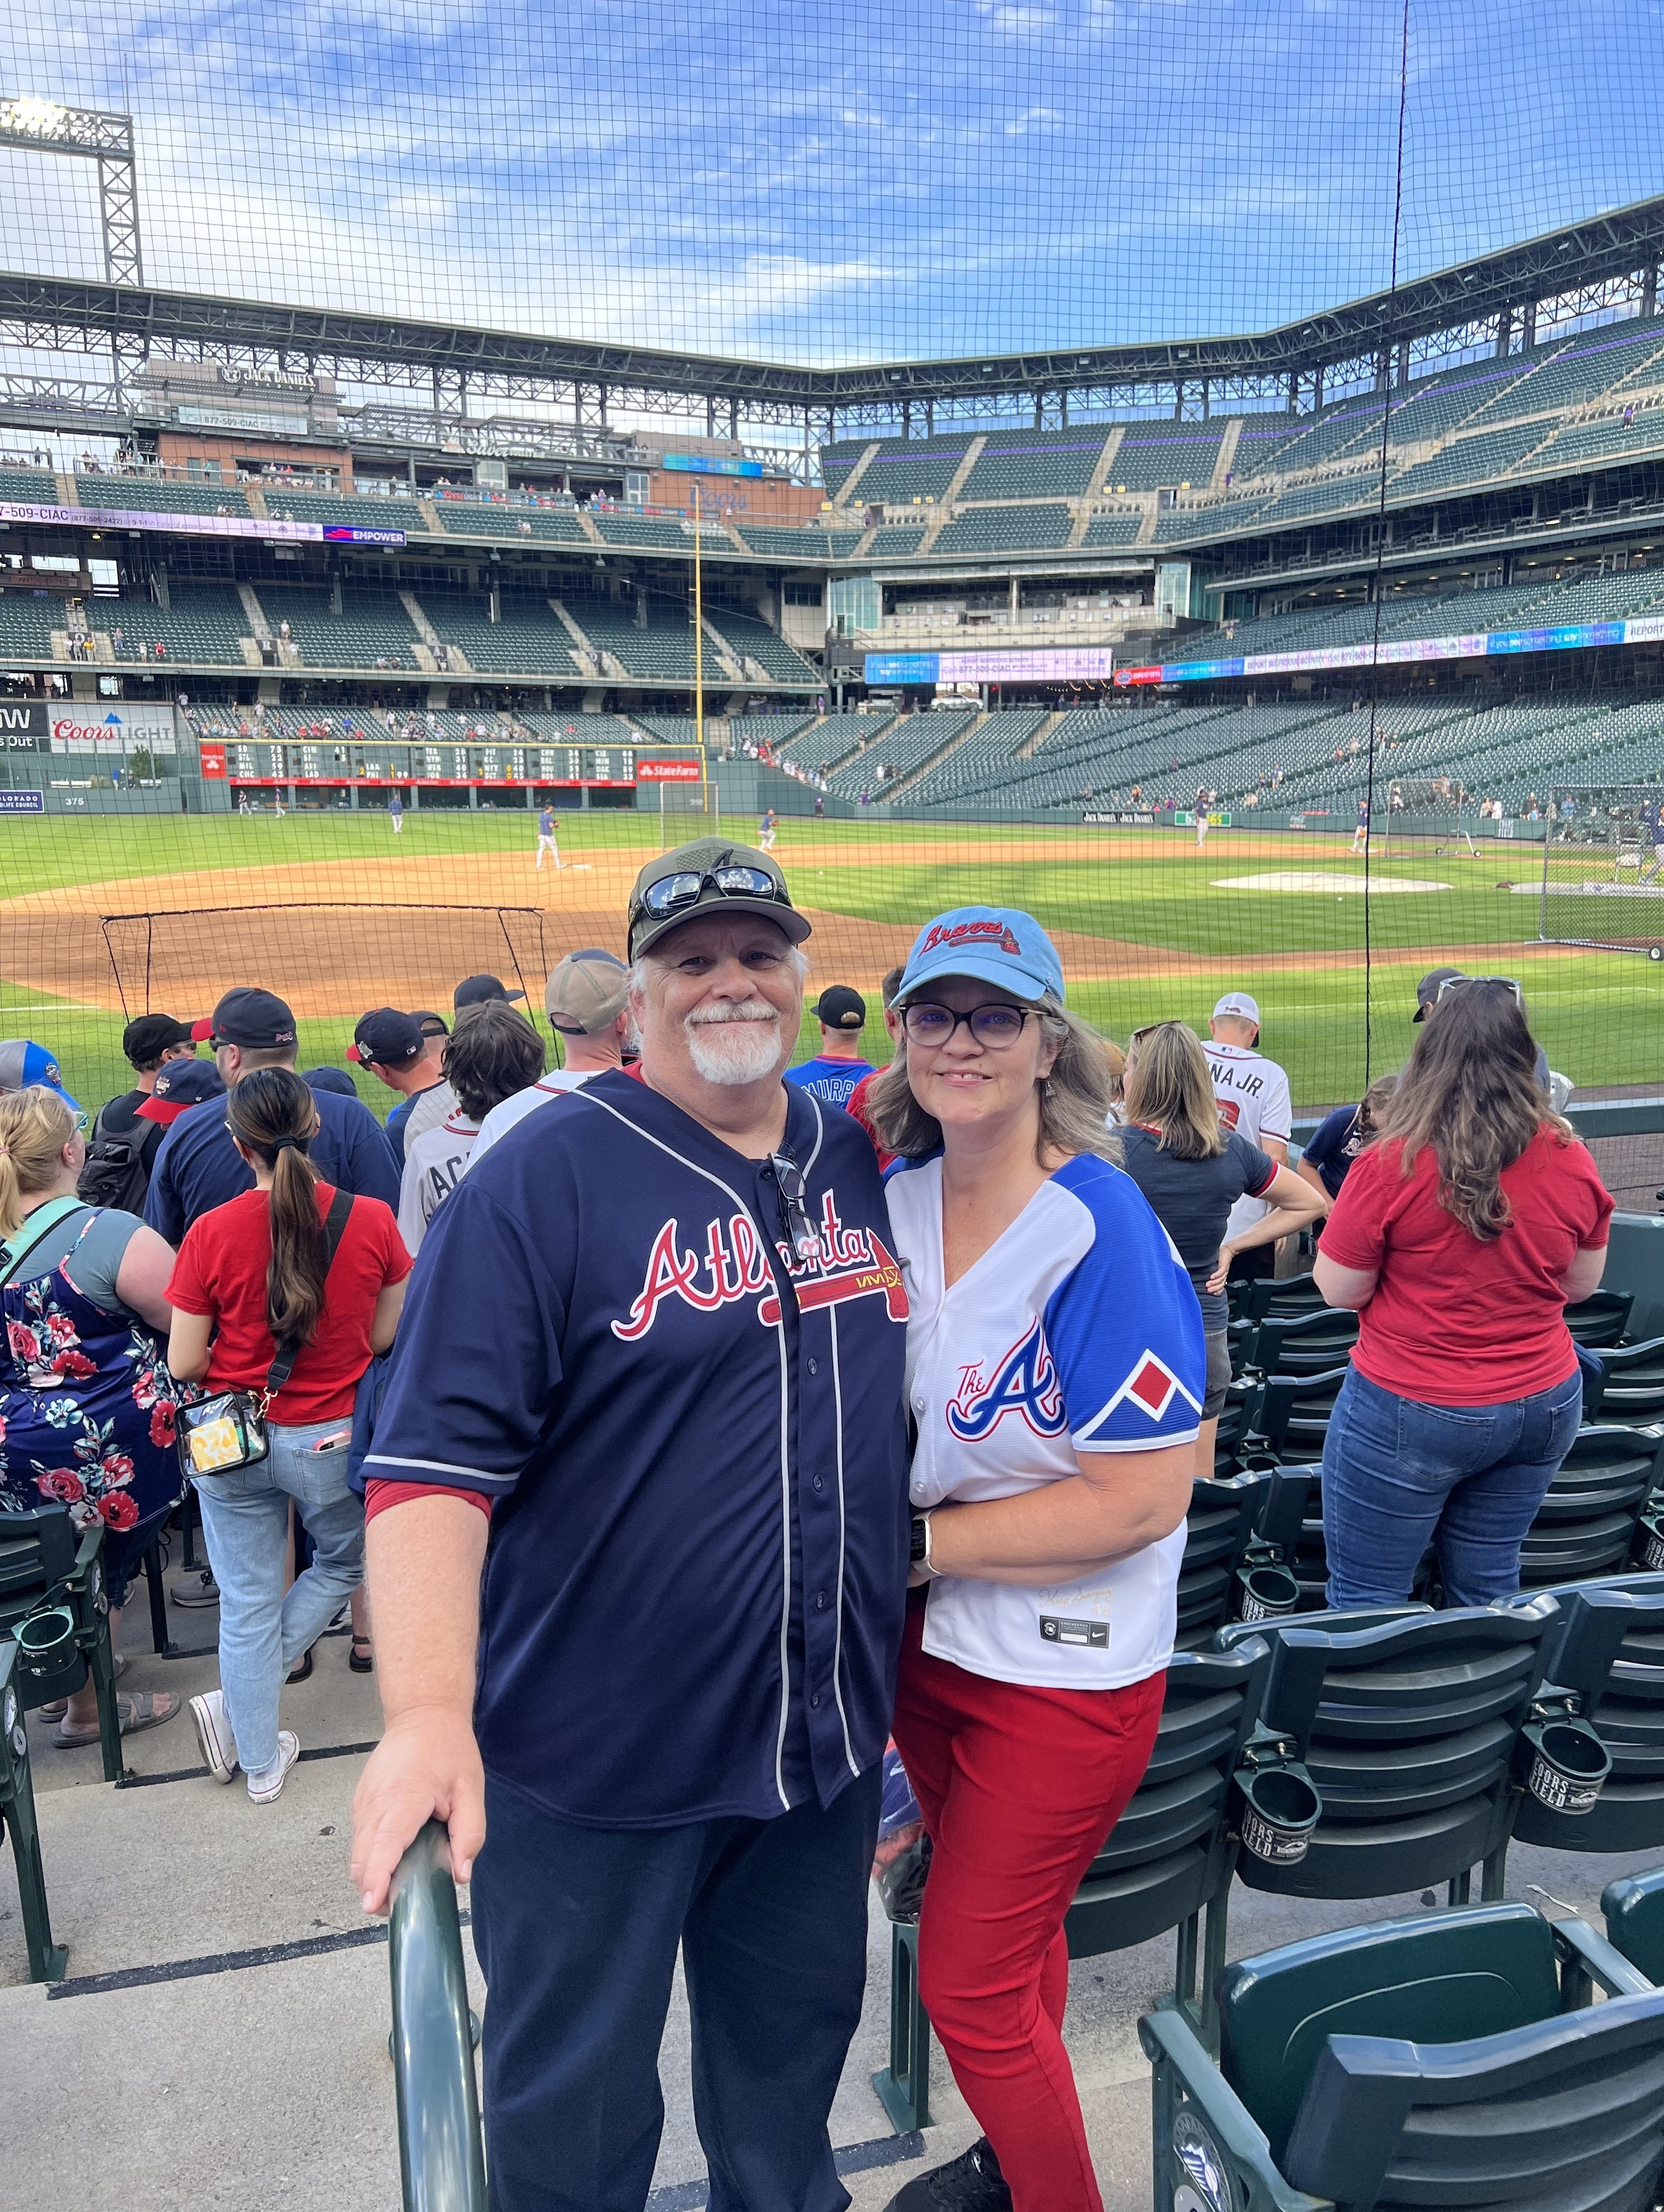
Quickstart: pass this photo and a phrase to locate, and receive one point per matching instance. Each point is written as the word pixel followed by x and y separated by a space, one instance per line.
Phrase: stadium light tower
pixel 42 126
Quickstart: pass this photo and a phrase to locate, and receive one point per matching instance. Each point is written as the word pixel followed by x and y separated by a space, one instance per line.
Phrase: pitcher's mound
pixel 1321 883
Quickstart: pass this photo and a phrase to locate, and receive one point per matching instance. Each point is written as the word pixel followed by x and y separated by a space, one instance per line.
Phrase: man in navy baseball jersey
pixel 198 1167
pixel 649 1380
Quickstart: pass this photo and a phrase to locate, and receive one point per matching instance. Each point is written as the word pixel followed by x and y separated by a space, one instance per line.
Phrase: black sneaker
pixel 970 2183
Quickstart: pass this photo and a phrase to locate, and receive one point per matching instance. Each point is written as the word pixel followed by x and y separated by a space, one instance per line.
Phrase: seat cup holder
pixel 1568 1765
pixel 47 1646
pixel 1280 1808
pixel 1263 1593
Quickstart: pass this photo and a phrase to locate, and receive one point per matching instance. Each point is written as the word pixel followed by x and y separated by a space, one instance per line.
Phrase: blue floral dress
pixel 87 1410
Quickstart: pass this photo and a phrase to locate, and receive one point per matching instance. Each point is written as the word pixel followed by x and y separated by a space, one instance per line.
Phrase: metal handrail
pixel 441 2161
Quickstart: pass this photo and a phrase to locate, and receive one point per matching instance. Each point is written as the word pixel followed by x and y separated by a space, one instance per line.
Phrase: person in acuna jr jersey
pixel 1254 1098
pixel 650 1379
pixel 1056 1376
pixel 493 1056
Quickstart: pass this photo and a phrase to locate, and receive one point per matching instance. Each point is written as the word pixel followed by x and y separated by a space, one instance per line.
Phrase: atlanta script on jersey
pixel 1078 1331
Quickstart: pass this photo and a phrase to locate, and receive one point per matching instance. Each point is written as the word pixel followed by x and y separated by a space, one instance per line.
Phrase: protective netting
pixel 1270 669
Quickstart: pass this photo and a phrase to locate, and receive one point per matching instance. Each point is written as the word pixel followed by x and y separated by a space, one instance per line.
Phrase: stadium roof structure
pixel 1373 339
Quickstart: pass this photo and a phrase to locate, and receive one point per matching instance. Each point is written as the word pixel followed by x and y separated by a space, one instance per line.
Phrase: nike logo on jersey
pixel 1025 1381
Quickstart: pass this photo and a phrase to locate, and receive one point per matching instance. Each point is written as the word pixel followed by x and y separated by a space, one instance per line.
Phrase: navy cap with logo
pixel 479 991
pixel 387 1036
pixel 182 1084
pixel 258 1020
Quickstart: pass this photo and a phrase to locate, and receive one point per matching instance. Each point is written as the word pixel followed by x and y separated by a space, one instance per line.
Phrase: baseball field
pixel 104 917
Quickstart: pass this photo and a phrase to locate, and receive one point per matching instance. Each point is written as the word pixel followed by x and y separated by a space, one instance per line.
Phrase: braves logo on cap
pixel 1025 1381
pixel 995 933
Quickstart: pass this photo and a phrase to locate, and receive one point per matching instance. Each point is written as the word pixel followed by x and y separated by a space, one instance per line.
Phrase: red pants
pixel 1019 1787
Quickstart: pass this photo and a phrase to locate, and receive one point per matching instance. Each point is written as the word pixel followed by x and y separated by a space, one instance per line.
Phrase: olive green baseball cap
pixel 710 874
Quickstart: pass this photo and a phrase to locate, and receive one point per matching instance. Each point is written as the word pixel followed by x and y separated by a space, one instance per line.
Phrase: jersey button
pixel 821 1601
pixel 819 1484
pixel 814 1366
pixel 814 1703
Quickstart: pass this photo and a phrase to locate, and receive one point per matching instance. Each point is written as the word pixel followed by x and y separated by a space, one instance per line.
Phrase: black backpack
pixel 116 1169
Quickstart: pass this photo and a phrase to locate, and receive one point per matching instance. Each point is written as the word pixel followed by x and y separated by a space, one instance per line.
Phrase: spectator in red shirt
pixel 856 1103
pixel 1460 1238
pixel 292 1264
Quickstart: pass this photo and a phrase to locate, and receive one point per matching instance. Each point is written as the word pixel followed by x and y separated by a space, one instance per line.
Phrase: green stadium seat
pixel 1586 1522
pixel 1607 1652
pixel 1633 1910
pixel 44 1563
pixel 1630 1389
pixel 1409 1729
pixel 47 1959
pixel 1219 1529
pixel 1599 1320
pixel 1301 1344
pixel 1421 2062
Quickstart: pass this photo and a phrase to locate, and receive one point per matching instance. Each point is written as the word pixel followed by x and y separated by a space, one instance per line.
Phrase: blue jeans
pixel 245 1517
pixel 1399 1475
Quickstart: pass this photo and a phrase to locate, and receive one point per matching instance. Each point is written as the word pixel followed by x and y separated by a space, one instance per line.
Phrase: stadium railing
pixel 47 1959
pixel 441 2154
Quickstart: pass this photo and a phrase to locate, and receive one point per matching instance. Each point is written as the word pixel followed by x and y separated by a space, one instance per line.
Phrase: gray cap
pixel 586 993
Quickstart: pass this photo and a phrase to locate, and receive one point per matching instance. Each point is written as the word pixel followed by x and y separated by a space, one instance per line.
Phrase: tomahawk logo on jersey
pixel 1077 1331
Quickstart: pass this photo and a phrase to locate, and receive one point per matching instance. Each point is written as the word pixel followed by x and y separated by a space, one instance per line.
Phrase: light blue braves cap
pixel 997 944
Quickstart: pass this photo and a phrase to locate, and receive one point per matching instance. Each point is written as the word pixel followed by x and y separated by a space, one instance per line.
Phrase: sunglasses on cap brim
pixel 1463 982
pixel 735 879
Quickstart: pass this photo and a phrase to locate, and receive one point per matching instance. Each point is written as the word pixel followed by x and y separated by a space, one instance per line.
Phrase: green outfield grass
pixel 1598 1014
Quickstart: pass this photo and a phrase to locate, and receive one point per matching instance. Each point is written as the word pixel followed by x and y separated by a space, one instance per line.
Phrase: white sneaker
pixel 265 1786
pixel 214 1734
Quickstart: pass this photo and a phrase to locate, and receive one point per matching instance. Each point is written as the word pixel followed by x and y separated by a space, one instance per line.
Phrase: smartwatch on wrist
pixel 919 1549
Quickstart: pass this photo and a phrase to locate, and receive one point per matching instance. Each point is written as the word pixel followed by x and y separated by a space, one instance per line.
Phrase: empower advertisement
pixel 1054 664
pixel 199 525
pixel 1471 645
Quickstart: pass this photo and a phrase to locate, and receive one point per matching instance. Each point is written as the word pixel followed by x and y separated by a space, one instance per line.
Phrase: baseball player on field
pixel 649 1381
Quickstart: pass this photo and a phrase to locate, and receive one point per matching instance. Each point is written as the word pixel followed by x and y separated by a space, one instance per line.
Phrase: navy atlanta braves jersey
pixel 693 1595
pixel 1076 1331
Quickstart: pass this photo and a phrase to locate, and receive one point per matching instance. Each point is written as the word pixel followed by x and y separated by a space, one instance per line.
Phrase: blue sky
pixel 882 177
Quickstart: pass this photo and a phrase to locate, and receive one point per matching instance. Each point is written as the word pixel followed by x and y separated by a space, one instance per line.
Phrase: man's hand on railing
pixel 426 1767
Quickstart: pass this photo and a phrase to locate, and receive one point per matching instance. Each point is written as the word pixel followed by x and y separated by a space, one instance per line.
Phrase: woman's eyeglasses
pixel 992 1025
pixel 671 893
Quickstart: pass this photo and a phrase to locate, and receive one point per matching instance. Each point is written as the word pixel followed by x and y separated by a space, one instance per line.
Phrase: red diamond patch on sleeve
pixel 1152 1385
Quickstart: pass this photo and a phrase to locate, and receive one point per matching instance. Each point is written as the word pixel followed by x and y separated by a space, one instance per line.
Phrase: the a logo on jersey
pixel 1024 1381
pixel 848 1263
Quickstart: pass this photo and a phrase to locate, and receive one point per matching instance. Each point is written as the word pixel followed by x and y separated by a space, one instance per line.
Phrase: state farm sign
pixel 669 771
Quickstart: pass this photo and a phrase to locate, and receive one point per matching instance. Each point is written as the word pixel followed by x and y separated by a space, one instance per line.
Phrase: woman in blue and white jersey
pixel 1055 1377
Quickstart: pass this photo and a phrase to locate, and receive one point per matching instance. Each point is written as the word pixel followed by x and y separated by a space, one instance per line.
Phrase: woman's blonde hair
pixel 1075 1098
pixel 35 1125
pixel 1168 1088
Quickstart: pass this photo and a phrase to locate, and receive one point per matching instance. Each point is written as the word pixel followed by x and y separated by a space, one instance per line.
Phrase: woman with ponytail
pixel 288 1267
pixel 87 1407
